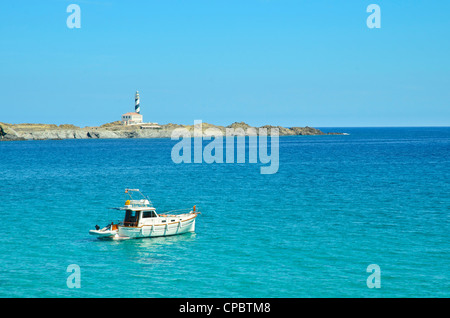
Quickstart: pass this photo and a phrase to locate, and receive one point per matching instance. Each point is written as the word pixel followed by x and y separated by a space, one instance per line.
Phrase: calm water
pixel 337 204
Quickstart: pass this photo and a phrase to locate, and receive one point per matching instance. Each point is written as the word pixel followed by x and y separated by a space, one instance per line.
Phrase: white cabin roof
pixel 136 208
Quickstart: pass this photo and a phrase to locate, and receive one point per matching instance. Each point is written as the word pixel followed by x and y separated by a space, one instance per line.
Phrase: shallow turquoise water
pixel 337 204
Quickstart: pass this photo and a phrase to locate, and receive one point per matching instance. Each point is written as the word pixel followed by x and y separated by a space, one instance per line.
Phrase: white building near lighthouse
pixel 131 119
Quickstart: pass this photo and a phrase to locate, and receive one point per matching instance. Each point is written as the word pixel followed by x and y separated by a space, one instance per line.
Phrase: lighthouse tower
pixel 137 107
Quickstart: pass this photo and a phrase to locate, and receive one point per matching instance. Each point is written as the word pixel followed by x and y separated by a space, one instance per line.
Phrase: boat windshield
pixel 131 218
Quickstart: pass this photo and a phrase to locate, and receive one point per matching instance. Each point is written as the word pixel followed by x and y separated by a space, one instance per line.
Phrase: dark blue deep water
pixel 337 204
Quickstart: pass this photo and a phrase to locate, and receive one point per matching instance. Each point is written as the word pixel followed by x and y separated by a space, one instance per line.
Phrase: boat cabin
pixel 135 217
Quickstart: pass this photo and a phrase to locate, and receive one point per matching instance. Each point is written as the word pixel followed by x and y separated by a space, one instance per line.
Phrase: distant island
pixel 132 125
pixel 10 132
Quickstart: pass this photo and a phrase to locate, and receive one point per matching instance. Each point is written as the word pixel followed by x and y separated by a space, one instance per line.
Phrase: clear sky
pixel 280 62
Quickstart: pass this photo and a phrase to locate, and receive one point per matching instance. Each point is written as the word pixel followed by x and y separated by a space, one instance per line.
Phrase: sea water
pixel 336 205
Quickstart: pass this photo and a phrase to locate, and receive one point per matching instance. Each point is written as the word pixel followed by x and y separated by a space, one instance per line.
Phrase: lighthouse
pixel 137 107
pixel 135 118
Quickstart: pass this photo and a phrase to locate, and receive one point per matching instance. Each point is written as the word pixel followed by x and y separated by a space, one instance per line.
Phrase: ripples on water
pixel 336 205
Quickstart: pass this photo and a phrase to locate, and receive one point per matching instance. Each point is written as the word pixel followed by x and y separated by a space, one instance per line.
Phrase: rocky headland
pixel 9 132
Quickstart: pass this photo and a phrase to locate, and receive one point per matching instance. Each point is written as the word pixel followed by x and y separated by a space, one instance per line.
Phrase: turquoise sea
pixel 337 204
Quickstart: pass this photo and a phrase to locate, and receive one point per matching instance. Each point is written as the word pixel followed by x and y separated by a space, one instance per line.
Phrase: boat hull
pixel 158 230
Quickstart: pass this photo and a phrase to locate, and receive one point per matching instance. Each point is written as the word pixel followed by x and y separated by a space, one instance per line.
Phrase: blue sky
pixel 280 62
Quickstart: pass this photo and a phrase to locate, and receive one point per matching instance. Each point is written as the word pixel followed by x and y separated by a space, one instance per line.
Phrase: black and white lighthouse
pixel 137 107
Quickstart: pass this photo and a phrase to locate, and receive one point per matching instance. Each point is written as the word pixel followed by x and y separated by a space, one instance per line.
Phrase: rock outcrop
pixel 117 130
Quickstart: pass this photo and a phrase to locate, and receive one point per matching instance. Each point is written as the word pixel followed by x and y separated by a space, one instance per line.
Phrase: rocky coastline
pixel 114 130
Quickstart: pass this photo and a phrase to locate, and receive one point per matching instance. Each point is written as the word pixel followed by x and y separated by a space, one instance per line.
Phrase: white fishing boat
pixel 141 220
